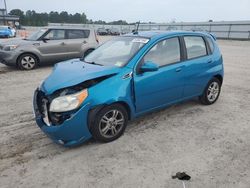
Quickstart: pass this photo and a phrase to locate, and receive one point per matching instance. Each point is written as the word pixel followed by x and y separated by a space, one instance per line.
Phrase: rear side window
pixel 211 44
pixel 165 52
pixel 196 47
pixel 78 34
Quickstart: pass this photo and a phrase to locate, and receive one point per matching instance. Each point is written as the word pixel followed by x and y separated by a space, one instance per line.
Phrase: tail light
pixel 96 38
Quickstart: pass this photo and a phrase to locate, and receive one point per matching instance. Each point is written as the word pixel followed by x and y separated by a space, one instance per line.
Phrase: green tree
pixel 20 14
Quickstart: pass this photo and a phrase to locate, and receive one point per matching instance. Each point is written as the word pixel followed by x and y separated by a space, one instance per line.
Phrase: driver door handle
pixel 179 69
pixel 63 43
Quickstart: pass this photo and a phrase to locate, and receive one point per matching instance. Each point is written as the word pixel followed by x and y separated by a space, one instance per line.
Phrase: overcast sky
pixel 144 10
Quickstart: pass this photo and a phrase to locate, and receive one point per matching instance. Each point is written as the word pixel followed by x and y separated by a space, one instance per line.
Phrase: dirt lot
pixel 210 143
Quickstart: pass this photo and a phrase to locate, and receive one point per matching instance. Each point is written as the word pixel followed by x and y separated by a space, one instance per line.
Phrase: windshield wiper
pixel 93 63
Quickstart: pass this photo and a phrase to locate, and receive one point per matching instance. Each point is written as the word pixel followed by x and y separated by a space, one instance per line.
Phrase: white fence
pixel 121 28
pixel 222 30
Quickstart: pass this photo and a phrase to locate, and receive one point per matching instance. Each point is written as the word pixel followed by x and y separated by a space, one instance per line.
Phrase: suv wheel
pixel 109 123
pixel 212 92
pixel 27 62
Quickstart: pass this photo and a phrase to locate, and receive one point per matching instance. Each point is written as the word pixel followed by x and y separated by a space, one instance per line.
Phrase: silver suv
pixel 48 45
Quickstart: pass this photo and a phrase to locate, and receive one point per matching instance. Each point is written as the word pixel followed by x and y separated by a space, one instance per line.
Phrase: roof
pixel 151 34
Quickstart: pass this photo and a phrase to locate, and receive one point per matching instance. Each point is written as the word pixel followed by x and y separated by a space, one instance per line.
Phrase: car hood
pixel 18 42
pixel 73 72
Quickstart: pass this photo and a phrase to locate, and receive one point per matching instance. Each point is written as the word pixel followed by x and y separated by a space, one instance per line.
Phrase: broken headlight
pixel 68 102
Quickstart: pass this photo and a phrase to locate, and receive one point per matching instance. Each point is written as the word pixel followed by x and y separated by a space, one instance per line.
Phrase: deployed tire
pixel 109 123
pixel 211 92
pixel 27 62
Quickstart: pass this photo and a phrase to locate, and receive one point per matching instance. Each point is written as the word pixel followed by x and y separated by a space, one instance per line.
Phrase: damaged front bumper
pixel 71 132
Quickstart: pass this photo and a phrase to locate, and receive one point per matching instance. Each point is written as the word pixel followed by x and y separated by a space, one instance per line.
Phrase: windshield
pixel 35 36
pixel 116 52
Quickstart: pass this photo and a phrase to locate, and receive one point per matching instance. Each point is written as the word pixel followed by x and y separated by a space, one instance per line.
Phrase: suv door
pixel 53 46
pixel 77 42
pixel 165 86
pixel 198 63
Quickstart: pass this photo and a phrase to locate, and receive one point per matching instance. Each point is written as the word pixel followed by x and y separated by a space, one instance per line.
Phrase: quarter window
pixel 165 52
pixel 196 47
pixel 78 34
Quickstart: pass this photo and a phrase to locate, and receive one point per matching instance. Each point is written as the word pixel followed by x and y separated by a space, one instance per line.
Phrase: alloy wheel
pixel 213 91
pixel 111 123
pixel 28 62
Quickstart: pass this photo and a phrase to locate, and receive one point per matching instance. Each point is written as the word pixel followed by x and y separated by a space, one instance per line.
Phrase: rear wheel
pixel 109 123
pixel 27 62
pixel 212 92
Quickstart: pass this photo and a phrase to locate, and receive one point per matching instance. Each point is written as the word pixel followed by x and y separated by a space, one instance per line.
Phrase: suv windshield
pixel 116 52
pixel 37 35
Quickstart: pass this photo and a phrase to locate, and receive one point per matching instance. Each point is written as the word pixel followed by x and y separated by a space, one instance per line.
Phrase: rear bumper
pixel 71 132
pixel 8 57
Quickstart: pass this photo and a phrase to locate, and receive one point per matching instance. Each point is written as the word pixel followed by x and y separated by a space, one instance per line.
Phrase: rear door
pixel 53 46
pixel 165 86
pixel 77 42
pixel 198 63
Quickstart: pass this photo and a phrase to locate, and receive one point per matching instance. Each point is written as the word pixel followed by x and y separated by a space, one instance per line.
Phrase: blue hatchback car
pixel 124 78
pixel 5 32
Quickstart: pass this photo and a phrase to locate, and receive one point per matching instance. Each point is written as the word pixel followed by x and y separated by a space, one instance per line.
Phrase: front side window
pixel 55 34
pixel 78 34
pixel 165 52
pixel 196 47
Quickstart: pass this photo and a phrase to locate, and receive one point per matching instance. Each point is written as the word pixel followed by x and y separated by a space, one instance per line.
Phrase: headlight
pixel 10 47
pixel 68 102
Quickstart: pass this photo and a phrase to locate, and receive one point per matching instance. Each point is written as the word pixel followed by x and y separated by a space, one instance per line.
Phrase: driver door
pixel 164 86
pixel 53 47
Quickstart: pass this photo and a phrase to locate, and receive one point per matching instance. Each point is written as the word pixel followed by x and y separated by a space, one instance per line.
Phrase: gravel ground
pixel 210 143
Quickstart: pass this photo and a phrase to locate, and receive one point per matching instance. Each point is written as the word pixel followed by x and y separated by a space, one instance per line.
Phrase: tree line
pixel 32 18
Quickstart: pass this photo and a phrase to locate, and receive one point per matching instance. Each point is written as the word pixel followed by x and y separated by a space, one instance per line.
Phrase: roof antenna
pixel 135 31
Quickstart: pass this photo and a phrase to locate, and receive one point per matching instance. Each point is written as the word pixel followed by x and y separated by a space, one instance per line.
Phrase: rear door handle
pixel 63 43
pixel 178 69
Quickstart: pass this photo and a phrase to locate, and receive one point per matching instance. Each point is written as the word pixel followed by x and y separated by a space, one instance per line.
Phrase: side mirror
pixel 45 40
pixel 149 66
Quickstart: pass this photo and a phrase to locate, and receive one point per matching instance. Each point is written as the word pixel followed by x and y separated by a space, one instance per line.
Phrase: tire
pixel 27 62
pixel 109 123
pixel 211 92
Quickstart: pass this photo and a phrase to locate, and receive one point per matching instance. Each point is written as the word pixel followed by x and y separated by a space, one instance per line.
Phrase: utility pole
pixel 5 6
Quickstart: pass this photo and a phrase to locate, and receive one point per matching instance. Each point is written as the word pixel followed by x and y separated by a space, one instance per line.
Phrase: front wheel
pixel 212 92
pixel 109 123
pixel 27 62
